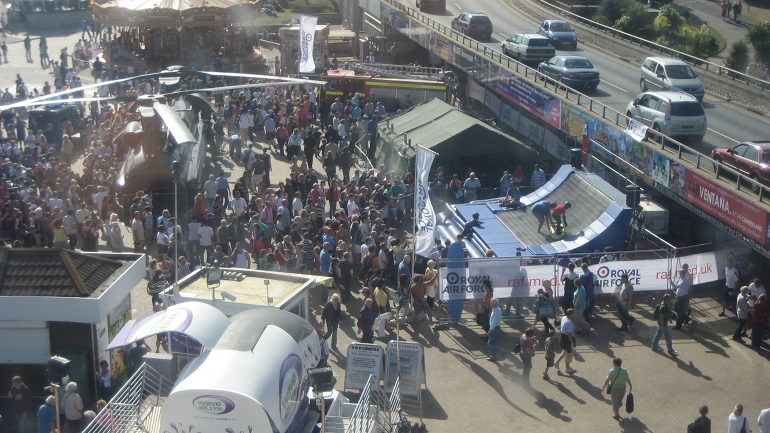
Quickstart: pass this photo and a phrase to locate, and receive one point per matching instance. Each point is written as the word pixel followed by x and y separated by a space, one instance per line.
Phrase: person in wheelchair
pixel 512 197
pixel 560 216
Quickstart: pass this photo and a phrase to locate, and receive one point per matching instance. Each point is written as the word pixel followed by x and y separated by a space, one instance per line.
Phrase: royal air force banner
pixel 425 221
pixel 513 278
pixel 306 35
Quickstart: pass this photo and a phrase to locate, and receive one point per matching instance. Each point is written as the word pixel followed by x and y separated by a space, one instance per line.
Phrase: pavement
pixel 466 393
pixel 710 13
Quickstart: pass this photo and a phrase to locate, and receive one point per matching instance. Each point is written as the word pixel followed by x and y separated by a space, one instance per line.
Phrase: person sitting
pixel 468 228
pixel 512 197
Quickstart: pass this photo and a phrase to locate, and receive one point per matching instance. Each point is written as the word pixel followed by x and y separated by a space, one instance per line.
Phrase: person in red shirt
pixel 758 319
pixel 559 214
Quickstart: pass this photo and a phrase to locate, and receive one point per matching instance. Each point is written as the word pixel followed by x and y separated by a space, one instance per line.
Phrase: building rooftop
pixel 53 272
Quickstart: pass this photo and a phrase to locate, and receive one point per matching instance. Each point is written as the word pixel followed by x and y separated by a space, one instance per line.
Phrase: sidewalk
pixel 710 12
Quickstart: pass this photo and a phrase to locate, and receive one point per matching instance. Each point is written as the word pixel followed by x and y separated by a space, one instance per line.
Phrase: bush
pixel 611 10
pixel 634 20
pixel 738 59
pixel 759 38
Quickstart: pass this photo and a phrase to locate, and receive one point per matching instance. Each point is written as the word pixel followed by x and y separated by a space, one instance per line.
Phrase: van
pixel 674 114
pixel 666 74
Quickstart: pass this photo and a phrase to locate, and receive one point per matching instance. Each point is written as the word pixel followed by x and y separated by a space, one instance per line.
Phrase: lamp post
pixel 176 169
pixel 57 369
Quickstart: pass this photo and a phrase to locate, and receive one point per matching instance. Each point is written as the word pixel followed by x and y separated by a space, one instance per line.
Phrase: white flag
pixel 306 35
pixel 425 222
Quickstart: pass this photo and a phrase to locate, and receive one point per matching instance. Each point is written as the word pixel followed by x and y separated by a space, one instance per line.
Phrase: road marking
pixel 503 35
pixel 458 6
pixel 619 88
pixel 719 133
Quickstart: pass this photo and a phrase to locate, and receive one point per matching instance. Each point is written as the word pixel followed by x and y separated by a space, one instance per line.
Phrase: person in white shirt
pixel 736 422
pixel 764 421
pixel 238 206
pixel 755 290
pixel 296 204
pixel 206 237
pixel 210 191
pixel 683 286
pixel 732 283
pixel 352 206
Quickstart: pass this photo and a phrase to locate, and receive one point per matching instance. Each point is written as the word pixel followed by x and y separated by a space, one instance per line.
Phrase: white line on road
pixel 619 88
pixel 458 6
pixel 719 133
pixel 503 35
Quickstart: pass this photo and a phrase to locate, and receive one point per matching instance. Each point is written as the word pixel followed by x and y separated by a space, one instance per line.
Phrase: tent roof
pixel 436 123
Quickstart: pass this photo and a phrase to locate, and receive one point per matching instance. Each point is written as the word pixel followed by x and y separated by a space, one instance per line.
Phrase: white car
pixel 674 114
pixel 529 47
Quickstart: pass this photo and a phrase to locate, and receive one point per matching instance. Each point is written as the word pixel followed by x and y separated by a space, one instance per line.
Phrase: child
pixel 551 347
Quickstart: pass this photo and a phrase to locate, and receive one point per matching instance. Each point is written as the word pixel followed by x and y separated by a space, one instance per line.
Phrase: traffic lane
pixel 620 80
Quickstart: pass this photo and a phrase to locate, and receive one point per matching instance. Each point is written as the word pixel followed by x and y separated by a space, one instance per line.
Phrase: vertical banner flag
pixel 306 35
pixel 425 222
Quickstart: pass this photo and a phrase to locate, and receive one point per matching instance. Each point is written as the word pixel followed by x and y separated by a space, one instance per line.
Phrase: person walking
pixel 624 293
pixel 664 317
pixel 527 341
pixel 331 316
pixel 736 422
pixel 732 283
pixel 702 424
pixel 724 9
pixel 28 48
pixel 569 279
pixel 73 407
pixel 567 341
pixel 545 306
pixel 494 331
pixel 551 346
pixel 764 421
pixel 366 321
pixel 580 303
pixel 758 318
pixel 617 379
pixel 742 309
pixel 21 403
pixel 683 287
pixel 588 279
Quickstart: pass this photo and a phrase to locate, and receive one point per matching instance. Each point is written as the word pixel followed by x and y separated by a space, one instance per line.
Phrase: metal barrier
pixel 373 407
pixel 136 406
pixel 662 49
pixel 702 162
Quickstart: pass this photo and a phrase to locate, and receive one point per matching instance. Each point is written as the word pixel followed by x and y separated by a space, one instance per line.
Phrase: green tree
pixel 611 10
pixel 635 19
pixel 675 19
pixel 663 29
pixel 759 38
pixel 738 59
pixel 702 44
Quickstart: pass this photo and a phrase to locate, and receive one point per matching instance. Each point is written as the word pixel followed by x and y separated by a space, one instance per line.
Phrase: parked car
pixel 666 74
pixel 751 158
pixel 529 48
pixel 573 71
pixel 675 114
pixel 559 32
pixel 473 24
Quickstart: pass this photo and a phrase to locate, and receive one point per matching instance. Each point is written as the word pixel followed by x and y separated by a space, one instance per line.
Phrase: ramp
pixel 598 218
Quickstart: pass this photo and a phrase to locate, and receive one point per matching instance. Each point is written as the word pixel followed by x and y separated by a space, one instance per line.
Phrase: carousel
pixel 199 33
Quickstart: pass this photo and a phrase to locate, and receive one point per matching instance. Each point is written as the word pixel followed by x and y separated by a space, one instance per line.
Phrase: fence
pixel 136 406
pixel 662 49
pixel 682 152
pixel 373 407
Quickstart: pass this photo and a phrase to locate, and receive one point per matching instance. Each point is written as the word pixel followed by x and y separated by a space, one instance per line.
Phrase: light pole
pixel 176 169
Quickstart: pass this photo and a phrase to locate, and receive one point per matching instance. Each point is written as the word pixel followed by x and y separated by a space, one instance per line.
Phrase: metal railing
pixel 594 107
pixel 662 49
pixel 373 407
pixel 135 407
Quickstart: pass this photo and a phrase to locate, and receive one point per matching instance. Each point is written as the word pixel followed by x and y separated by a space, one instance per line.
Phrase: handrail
pixel 609 114
pixel 689 58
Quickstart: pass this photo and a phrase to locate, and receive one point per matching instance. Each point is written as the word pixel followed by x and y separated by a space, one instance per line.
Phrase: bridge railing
pixel 682 152
pixel 662 49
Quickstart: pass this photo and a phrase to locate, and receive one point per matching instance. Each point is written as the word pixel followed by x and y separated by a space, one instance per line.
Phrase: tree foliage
pixel 738 59
pixel 759 38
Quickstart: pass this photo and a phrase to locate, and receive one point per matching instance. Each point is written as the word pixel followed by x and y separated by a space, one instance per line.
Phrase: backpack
pixel 656 313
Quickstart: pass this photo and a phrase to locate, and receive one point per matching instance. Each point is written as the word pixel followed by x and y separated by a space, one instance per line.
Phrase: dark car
pixel 751 158
pixel 572 71
pixel 559 32
pixel 474 24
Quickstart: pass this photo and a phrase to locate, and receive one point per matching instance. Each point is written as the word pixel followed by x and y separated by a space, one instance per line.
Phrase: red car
pixel 751 158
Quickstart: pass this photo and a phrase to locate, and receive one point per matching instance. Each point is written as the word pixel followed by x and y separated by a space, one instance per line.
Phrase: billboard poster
pixel 363 360
pixel 419 33
pixel 371 6
pixel 441 46
pixel 538 102
pixel 677 177
pixel 476 91
pixel 660 169
pixel 492 101
pixel 554 145
pixel 510 116
pixel 531 129
pixel 394 17
pixel 463 58
pixel 412 374
pixel 727 207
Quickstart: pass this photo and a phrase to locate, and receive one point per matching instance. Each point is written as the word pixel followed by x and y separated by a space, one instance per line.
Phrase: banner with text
pixel 306 36
pixel 537 101
pixel 425 222
pixel 511 280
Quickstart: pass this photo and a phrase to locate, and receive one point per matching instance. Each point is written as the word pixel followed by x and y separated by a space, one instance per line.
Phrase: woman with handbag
pixel 544 306
pixel 736 422
pixel 617 379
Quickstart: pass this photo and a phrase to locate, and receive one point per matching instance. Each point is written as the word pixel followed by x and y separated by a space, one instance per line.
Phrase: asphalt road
pixel 728 122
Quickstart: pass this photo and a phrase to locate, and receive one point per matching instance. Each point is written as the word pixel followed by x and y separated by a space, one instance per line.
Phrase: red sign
pixel 727 207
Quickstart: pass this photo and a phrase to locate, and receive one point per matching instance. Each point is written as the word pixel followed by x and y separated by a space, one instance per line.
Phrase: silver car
pixel 666 74
pixel 674 114
pixel 529 48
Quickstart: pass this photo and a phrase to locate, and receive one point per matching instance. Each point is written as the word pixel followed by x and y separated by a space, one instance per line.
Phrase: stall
pixel 198 32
